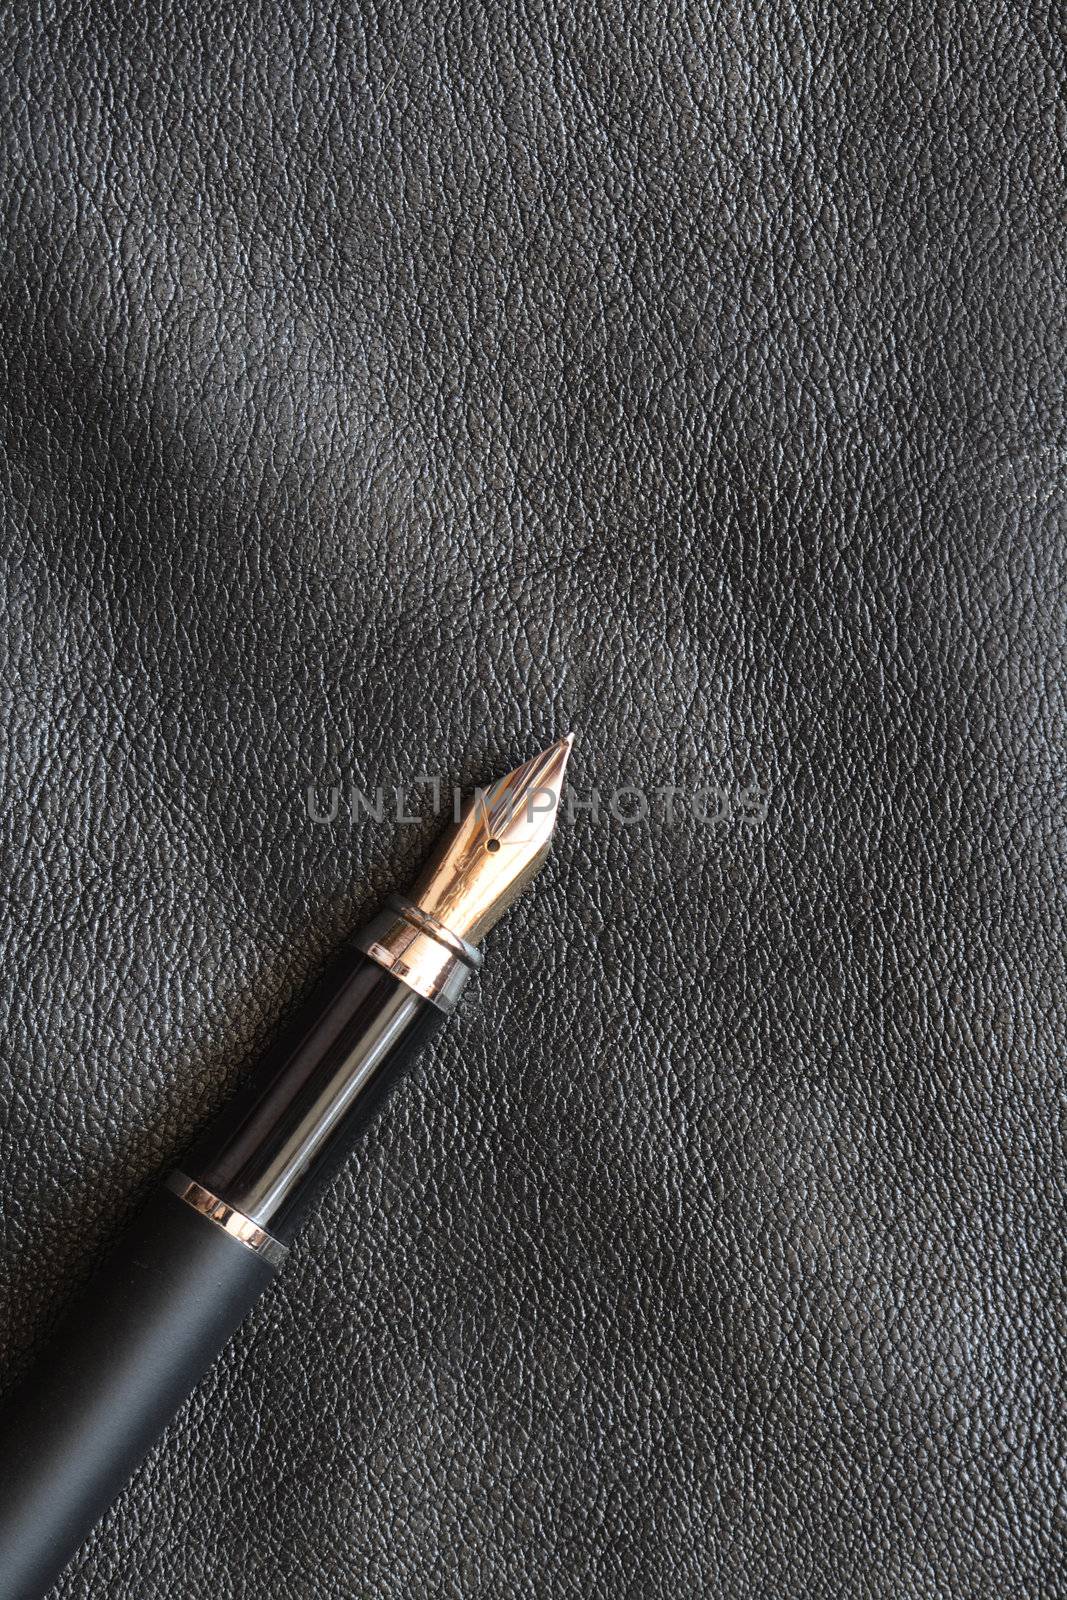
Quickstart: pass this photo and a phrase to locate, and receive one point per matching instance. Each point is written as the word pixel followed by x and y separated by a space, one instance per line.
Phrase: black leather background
pixel 386 392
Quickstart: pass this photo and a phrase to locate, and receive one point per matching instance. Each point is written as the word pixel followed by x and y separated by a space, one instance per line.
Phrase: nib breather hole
pixel 492 845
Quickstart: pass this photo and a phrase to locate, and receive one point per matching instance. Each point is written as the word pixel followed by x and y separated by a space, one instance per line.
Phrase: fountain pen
pixel 211 1238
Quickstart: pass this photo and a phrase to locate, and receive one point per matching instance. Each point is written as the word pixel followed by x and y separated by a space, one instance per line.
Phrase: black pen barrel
pixel 109 1380
pixel 193 1263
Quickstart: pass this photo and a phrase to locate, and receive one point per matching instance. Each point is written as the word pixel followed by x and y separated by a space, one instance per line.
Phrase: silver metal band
pixel 235 1223
pixel 416 947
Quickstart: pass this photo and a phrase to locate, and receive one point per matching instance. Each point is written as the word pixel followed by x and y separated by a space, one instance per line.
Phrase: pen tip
pixel 500 842
pixel 538 781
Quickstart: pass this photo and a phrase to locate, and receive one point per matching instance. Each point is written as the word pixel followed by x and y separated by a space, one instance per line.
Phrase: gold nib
pixel 499 844
pixel 429 937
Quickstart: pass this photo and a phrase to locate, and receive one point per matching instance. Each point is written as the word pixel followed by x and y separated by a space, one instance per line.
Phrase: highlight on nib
pixel 499 844
pixel 429 937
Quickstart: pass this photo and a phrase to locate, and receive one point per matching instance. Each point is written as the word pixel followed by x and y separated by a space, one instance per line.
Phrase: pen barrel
pixel 196 1259
pixel 117 1369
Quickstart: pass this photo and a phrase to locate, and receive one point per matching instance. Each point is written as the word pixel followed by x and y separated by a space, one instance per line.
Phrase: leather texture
pixel 386 391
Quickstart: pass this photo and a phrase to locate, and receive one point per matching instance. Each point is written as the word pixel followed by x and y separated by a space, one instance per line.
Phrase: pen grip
pixel 115 1372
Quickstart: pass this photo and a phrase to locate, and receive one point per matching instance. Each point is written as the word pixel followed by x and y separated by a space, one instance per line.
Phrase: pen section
pixel 314 1094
